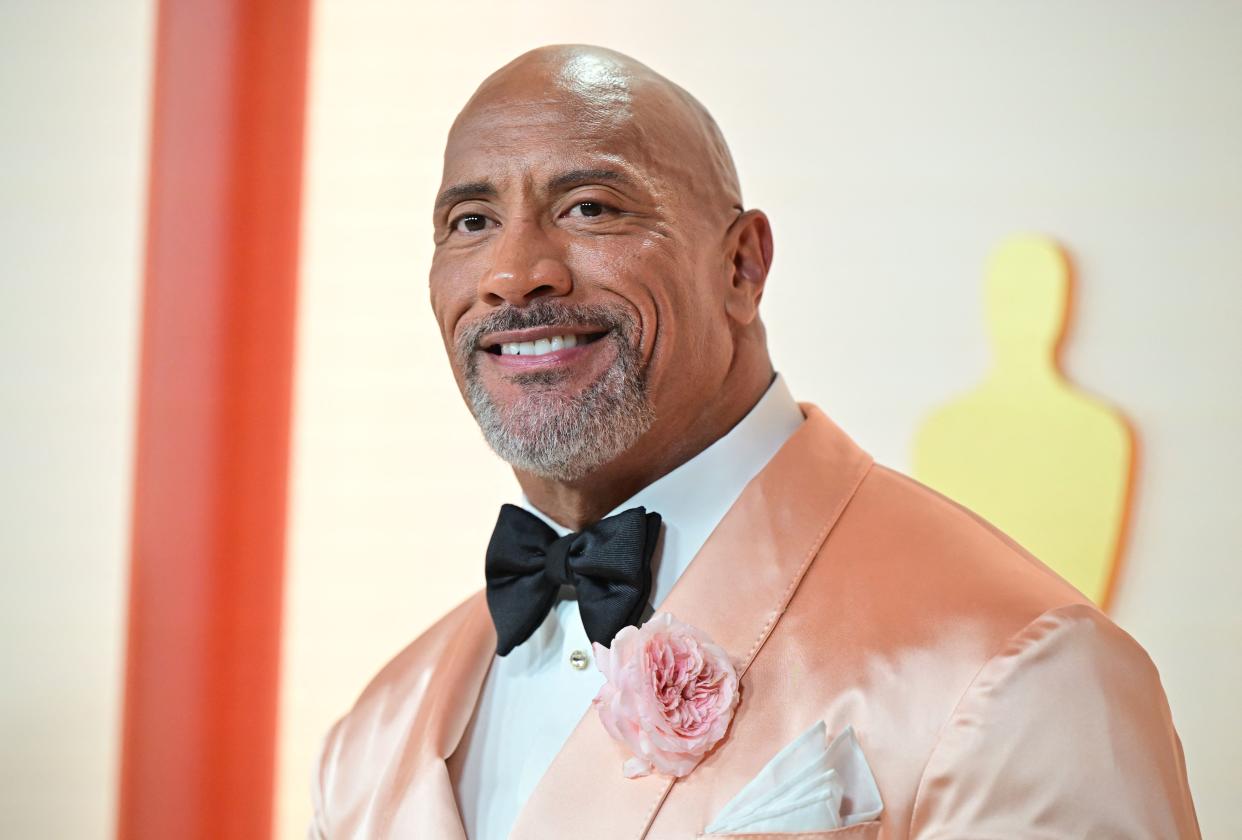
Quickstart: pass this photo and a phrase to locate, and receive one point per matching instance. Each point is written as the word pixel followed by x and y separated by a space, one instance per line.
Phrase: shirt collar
pixel 693 498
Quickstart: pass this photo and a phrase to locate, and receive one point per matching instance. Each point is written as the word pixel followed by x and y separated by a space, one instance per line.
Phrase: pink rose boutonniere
pixel 668 697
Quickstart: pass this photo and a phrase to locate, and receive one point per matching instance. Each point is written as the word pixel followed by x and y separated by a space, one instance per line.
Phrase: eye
pixel 470 223
pixel 588 209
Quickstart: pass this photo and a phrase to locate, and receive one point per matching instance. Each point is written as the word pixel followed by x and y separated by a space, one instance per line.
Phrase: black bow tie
pixel 608 565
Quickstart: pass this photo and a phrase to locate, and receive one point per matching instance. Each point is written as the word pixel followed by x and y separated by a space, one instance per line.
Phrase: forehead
pixel 508 137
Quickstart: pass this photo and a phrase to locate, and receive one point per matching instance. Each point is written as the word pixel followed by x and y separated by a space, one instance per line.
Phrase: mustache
pixel 543 312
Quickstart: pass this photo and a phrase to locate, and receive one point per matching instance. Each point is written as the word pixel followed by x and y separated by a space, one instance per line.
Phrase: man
pixel 597 282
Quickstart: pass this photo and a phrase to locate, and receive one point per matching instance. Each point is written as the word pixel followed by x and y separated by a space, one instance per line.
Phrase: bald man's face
pixel 579 270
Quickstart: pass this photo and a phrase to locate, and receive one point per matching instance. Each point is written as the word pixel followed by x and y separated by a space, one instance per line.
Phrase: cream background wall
pixel 74 104
pixel 893 144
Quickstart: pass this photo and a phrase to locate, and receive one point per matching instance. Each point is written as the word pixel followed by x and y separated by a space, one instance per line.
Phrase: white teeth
pixel 539 348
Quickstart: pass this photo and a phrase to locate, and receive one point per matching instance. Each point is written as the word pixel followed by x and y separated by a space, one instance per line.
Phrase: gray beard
pixel 547 432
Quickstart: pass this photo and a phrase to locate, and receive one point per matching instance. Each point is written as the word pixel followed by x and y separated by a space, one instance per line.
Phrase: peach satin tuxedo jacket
pixel 990 698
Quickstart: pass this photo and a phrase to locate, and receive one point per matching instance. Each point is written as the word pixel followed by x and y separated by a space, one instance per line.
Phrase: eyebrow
pixel 458 192
pixel 479 189
pixel 582 176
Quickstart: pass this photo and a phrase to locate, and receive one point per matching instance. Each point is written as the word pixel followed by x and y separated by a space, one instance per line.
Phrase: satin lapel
pixel 453 687
pixel 735 590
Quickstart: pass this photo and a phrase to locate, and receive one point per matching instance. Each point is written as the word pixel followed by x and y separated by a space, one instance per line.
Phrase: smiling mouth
pixel 543 346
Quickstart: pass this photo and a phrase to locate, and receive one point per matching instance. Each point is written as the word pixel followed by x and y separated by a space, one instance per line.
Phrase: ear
pixel 749 241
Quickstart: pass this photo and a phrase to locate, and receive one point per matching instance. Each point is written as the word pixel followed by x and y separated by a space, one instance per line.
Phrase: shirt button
pixel 578 660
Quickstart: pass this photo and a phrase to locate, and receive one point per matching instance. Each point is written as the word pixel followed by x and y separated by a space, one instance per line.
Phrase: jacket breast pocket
pixel 869 830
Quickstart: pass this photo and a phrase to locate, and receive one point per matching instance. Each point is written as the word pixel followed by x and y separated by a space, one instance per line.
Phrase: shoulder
pixel 908 575
pixel 923 548
pixel 963 653
pixel 1066 701
pixel 907 564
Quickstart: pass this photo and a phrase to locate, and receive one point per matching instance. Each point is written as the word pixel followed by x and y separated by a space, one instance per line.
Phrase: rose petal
pixel 635 768
pixel 668 697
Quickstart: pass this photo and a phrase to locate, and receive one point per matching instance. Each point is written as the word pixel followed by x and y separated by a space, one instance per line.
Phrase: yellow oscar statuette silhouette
pixel 1046 463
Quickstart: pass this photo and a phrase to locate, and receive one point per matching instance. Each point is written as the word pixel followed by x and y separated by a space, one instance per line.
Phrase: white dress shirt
pixel 533 698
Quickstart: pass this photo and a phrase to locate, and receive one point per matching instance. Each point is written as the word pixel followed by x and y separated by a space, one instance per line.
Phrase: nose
pixel 525 265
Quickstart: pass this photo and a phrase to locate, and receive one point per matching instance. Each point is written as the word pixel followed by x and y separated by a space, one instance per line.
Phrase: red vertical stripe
pixel 213 420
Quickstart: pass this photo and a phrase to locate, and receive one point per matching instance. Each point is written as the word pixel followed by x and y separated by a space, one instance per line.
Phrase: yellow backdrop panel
pixel 1026 449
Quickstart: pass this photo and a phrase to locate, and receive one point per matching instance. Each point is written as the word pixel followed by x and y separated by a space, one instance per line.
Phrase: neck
pixel 583 502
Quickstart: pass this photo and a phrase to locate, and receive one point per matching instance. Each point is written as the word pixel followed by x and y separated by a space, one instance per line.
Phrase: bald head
pixel 606 90
pixel 595 277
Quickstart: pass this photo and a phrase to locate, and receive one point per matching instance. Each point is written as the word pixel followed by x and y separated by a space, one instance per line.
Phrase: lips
pixel 539 341
pixel 541 347
pixel 544 346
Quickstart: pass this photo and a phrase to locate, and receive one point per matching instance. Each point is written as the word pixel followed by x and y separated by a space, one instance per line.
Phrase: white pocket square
pixel 810 785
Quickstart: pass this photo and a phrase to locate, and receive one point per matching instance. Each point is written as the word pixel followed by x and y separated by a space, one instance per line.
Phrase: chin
pixel 546 424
